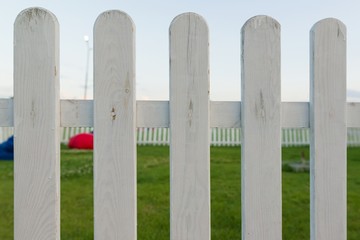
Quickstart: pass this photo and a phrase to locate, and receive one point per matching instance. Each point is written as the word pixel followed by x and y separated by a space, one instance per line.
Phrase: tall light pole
pixel 88 49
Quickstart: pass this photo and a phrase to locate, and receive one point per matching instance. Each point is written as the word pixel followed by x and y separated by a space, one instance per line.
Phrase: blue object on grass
pixel 7 149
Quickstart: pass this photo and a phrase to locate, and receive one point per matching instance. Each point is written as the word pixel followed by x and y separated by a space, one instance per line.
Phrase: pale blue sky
pixel 152 19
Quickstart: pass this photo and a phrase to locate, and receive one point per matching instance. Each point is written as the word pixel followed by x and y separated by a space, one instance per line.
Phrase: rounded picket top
pixel 189 114
pixel 35 14
pixel 114 121
pixel 183 20
pixel 331 26
pixel 36 87
pixel 260 21
pixel 328 128
pixel 261 117
pixel 115 16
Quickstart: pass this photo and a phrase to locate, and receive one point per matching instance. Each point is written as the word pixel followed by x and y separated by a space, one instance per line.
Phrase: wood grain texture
pixel 353 115
pixel 295 115
pixel 261 130
pixel 152 113
pixel 78 113
pixel 328 130
pixel 223 114
pixel 37 126
pixel 190 127
pixel 114 127
pixel 6 112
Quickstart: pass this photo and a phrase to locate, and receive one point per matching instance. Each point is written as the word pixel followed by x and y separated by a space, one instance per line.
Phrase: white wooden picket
pixel 261 130
pixel 119 122
pixel 190 129
pixel 115 214
pixel 37 126
pixel 328 130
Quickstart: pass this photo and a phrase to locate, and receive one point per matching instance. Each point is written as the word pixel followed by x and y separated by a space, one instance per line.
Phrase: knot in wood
pixel 113 114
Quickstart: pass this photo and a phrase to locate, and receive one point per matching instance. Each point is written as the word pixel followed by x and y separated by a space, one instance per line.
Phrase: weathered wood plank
pixel 295 115
pixel 190 129
pixel 261 130
pixel 37 126
pixel 353 115
pixel 152 113
pixel 328 130
pixel 6 113
pixel 223 114
pixel 114 127
pixel 77 113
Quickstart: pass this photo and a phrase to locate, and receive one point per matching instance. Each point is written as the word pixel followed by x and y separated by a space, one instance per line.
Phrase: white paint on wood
pixel 37 126
pixel 35 114
pixel 152 113
pixel 114 127
pixel 77 113
pixel 295 114
pixel 353 115
pixel 223 114
pixel 190 129
pixel 261 130
pixel 6 112
pixel 328 130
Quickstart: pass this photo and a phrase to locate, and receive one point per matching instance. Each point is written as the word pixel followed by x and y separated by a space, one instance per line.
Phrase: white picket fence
pixel 219 136
pixel 37 114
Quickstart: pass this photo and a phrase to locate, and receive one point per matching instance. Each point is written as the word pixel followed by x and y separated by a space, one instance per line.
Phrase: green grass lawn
pixel 153 195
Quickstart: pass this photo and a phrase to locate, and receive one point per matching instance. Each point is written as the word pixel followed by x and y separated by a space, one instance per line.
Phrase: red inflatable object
pixel 82 141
